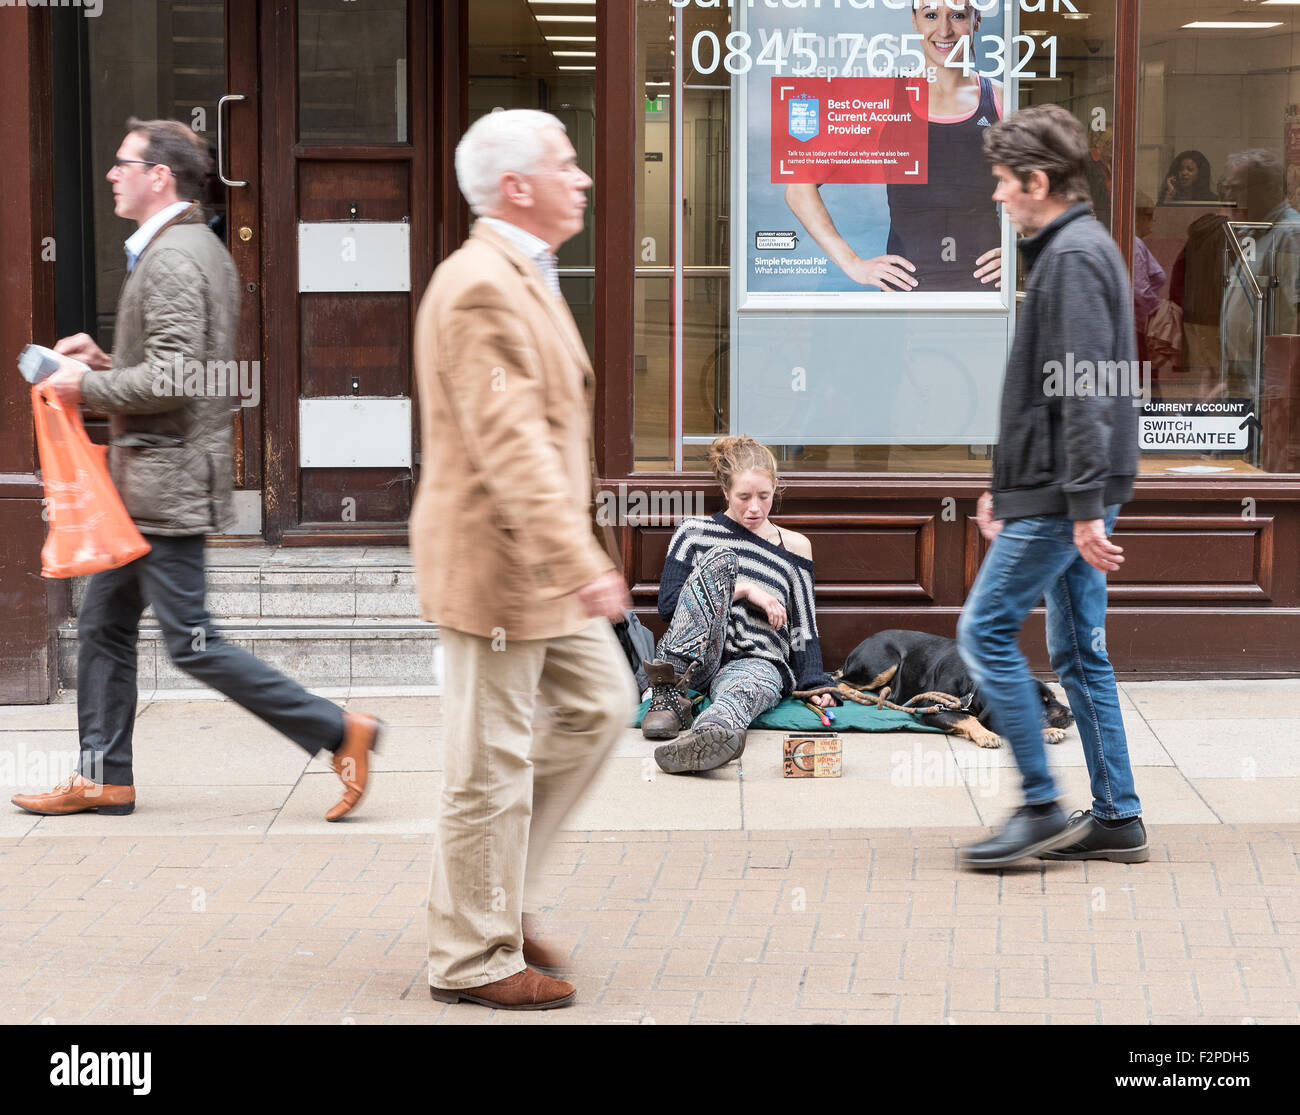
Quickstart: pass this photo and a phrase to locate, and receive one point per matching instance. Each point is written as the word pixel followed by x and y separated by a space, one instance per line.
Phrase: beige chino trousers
pixel 513 771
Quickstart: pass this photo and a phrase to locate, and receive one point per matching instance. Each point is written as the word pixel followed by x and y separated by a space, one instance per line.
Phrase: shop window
pixel 1217 270
pixel 544 57
pixel 683 240
pixel 1084 83
pixel 147 59
pixel 786 161
pixel 352 82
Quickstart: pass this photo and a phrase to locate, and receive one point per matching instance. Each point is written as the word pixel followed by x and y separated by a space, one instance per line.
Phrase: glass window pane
pixel 164 60
pixel 515 61
pixel 1217 262
pixel 684 318
pixel 1084 82
pixel 352 84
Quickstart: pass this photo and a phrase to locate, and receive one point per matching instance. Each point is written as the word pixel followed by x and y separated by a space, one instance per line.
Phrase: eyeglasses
pixel 118 163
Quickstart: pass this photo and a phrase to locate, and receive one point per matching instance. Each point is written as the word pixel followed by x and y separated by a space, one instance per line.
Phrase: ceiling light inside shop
pixel 575 67
pixel 574 53
pixel 1228 25
pixel 570 38
pixel 565 18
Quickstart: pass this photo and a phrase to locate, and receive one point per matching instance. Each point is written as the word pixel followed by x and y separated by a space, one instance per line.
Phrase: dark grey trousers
pixel 172 578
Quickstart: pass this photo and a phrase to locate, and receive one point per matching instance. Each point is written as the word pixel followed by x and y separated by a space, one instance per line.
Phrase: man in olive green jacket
pixel 170 389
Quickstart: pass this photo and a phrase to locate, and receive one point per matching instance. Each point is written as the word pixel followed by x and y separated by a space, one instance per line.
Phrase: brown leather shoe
pixel 351 761
pixel 526 990
pixel 544 958
pixel 76 794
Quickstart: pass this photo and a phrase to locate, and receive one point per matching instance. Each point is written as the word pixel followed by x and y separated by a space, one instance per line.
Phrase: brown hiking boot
pixel 526 990
pixel 670 708
pixel 701 749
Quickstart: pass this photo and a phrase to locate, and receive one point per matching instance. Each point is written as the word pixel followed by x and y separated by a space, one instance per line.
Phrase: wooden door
pixel 346 141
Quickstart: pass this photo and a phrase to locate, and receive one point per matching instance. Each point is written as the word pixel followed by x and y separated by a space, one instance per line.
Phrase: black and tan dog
pixel 912 662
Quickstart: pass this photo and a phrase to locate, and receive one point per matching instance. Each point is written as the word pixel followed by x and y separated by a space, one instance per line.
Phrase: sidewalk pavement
pixel 738 896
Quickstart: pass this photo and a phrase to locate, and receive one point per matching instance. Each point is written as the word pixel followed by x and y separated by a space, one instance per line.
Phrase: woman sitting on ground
pixel 737 592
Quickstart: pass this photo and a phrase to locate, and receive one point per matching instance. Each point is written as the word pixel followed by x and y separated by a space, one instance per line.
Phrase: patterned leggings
pixel 741 688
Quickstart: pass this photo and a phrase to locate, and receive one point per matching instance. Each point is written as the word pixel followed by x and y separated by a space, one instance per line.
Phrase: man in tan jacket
pixel 508 563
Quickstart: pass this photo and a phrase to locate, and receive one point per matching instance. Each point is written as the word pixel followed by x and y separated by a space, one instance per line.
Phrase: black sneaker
pixel 1125 843
pixel 700 749
pixel 1031 830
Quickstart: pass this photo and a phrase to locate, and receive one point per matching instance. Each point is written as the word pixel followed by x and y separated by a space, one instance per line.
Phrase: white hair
pixel 502 142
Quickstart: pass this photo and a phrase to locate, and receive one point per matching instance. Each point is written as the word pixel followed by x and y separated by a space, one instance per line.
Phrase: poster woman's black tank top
pixel 956 201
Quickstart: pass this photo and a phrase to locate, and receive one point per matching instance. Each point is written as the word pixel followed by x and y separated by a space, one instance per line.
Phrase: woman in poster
pixel 944 234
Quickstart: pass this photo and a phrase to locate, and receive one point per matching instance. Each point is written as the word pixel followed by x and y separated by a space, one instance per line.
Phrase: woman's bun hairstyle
pixel 730 456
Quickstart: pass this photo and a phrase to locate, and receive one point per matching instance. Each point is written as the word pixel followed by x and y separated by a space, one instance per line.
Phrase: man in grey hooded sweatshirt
pixel 1066 457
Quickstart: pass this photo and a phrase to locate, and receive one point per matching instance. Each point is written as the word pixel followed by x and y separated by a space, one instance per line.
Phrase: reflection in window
pixel 352 85
pixel 517 62
pixel 1217 270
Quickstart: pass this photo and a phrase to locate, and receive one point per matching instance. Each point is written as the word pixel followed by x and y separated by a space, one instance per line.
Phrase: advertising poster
pixel 863 175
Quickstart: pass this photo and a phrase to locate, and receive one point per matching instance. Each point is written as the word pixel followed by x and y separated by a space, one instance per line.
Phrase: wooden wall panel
pixel 1204 592
pixel 380 189
pixel 365 335
pixel 381 495
pixel 30 605
pixel 1183 557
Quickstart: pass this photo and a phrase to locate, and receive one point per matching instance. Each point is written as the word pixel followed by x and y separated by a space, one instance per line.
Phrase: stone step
pixel 270 582
pixel 319 652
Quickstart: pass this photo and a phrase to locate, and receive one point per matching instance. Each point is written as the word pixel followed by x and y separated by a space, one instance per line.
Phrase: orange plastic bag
pixel 89 528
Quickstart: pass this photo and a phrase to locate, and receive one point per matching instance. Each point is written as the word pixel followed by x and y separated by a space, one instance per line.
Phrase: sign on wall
pixel 862 165
pixel 1196 426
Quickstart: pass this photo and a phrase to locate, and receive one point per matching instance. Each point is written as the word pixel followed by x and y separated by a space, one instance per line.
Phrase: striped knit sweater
pixel 786 575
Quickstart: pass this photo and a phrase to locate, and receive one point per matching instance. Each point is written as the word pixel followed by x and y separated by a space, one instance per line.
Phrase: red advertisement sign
pixel 865 130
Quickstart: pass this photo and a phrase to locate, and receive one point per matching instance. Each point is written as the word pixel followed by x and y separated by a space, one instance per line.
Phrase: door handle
pixel 221 145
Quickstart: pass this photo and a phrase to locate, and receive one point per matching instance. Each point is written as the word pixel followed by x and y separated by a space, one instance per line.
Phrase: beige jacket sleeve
pixel 495 384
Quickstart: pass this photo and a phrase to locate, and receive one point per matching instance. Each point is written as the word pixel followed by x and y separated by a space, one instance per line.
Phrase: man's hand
pixel 66 383
pixel 823 700
pixel 606 596
pixel 1097 550
pixel 885 272
pixel 989 526
pixel 81 347
pixel 988 268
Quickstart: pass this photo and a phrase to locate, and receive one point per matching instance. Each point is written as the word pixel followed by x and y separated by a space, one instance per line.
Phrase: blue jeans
pixel 1035 559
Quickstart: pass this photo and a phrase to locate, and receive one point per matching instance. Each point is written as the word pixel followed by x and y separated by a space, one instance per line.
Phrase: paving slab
pixel 1167 796
pixel 1217 699
pixel 329 930
pixel 162 810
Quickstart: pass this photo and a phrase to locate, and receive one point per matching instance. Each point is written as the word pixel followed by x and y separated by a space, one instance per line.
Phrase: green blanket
pixel 791 716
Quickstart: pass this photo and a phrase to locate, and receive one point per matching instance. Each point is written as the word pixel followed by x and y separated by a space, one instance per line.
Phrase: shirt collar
pixel 532 246
pixel 139 239
pixel 535 248
pixel 1032 246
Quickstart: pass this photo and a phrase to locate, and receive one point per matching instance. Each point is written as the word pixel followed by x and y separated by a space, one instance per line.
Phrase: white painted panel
pixel 367 255
pixel 354 433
